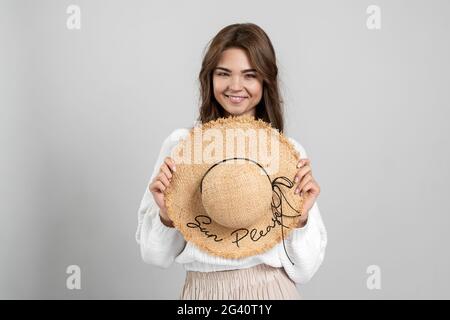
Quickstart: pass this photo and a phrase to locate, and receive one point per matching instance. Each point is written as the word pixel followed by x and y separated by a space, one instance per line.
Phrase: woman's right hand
pixel 159 184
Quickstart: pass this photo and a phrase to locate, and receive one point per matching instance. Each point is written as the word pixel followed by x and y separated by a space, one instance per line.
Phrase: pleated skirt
pixel 261 282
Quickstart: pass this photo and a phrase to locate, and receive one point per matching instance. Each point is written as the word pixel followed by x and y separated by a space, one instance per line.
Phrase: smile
pixel 235 99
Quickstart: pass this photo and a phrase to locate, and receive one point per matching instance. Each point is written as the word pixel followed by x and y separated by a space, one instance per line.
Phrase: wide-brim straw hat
pixel 232 193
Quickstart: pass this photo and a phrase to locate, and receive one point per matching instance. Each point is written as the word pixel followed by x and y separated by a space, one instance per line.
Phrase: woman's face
pixel 237 86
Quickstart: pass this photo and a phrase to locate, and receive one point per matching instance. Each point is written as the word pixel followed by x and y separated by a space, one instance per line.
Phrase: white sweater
pixel 161 245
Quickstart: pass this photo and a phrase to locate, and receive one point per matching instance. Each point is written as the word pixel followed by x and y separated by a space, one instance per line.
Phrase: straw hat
pixel 232 193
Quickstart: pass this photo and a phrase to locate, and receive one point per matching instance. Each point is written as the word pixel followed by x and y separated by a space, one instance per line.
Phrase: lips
pixel 235 99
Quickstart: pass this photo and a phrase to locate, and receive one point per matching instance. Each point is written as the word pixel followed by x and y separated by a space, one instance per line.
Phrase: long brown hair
pixel 255 42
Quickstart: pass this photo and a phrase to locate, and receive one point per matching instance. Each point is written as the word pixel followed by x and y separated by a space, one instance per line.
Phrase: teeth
pixel 236 98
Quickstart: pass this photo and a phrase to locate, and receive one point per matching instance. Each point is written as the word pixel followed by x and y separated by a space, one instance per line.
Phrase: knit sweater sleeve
pixel 159 244
pixel 305 245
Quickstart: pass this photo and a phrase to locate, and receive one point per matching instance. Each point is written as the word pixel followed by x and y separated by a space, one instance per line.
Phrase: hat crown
pixel 236 194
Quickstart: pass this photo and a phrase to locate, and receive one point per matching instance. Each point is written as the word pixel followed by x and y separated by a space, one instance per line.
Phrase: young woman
pixel 239 76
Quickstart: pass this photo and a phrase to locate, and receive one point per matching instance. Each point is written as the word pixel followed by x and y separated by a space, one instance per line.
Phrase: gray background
pixel 84 113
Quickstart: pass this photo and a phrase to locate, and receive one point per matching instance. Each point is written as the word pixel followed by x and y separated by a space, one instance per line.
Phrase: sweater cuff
pixel 300 233
pixel 159 227
pixel 305 226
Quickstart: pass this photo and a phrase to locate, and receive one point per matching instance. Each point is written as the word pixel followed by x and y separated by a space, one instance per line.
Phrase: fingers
pixel 170 163
pixel 304 167
pixel 165 169
pixel 312 188
pixel 163 178
pixel 301 173
pixel 304 174
pixel 306 179
pixel 302 162
pixel 301 165
pixel 157 186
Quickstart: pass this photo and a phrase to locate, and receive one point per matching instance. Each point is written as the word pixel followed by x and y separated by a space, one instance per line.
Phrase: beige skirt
pixel 261 282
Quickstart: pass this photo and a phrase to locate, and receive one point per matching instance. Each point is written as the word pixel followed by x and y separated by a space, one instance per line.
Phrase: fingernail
pixel 174 168
pixel 296 191
pixel 296 179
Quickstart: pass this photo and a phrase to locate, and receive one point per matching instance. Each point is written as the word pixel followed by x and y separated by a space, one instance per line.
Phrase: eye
pixel 251 75
pixel 222 74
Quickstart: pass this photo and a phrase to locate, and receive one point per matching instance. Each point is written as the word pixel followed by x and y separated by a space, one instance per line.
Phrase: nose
pixel 235 84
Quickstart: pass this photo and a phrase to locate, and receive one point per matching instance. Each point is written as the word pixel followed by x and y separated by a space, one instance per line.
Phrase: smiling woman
pixel 236 85
pixel 239 75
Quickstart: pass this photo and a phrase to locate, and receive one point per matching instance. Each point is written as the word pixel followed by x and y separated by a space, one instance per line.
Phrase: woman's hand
pixel 159 184
pixel 306 187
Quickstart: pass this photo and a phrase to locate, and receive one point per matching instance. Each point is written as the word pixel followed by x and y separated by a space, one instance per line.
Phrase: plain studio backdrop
pixel 84 112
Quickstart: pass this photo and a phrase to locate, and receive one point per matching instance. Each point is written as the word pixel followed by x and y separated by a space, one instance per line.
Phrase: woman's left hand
pixel 306 187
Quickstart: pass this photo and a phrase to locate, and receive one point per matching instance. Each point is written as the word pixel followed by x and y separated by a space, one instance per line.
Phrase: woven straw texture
pixel 232 216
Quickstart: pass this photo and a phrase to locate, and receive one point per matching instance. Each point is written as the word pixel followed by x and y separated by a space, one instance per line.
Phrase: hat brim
pixel 184 201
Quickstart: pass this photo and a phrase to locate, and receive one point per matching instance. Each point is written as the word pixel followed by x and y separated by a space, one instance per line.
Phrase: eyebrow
pixel 243 71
